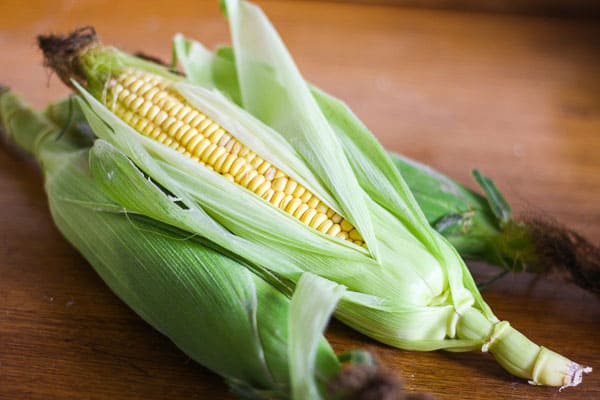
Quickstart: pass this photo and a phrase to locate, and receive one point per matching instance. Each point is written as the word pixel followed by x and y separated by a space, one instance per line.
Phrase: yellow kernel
pixel 306 198
pixel 153 112
pixel 237 166
pixel 158 98
pixel 197 120
pixel 225 139
pixel 268 195
pixel 193 143
pixel 264 167
pixel 201 147
pixel 156 132
pixel 325 226
pixel 217 152
pixel 342 235
pixel 279 174
pixel 337 218
pixel 170 121
pixel 346 226
pixel 151 93
pixel 257 162
pixel 256 182
pixel 191 134
pixel 277 199
pixel 334 230
pixel 218 165
pixel 279 184
pixel 318 220
pixel 299 191
pixel 135 86
pixel 300 210
pixel 145 87
pixel 322 208
pixel 229 145
pixel 173 111
pixel 228 163
pixel 204 124
pixel 229 177
pixel 137 103
pixel 211 129
pixel 175 127
pixel 130 99
pixel 236 147
pixel 313 202
pixel 293 205
pixel 286 201
pixel 161 117
pixel 183 112
pixel 263 188
pixel 161 138
pixel 181 133
pixel 354 235
pixel 124 94
pixel 129 79
pixel 270 174
pixel 291 186
pixel 207 153
pixel 188 118
pixel 141 125
pixel 308 216
pixel 145 108
pixel 248 177
pixel 216 137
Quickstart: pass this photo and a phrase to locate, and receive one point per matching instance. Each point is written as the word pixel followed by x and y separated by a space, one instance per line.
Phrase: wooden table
pixel 518 97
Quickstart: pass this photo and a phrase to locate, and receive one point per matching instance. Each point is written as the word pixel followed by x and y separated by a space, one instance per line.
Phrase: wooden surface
pixel 517 97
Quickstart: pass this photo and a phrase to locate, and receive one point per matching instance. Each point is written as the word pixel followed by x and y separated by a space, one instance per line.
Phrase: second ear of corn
pixel 406 285
pixel 212 306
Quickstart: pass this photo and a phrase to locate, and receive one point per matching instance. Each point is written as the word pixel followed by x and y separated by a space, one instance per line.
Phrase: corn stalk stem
pixel 519 355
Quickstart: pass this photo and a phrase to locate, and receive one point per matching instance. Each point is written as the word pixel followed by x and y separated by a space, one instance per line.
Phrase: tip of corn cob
pixel 61 52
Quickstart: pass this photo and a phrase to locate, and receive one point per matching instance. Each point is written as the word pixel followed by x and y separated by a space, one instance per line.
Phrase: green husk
pixel 207 301
pixel 410 289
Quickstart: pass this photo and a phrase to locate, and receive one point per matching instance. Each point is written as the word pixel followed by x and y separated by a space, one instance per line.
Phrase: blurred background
pixel 510 87
pixel 457 84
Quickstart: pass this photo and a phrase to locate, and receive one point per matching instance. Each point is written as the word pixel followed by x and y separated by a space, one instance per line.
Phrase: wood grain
pixel 517 97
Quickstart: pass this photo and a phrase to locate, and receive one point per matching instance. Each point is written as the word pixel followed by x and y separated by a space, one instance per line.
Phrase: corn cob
pixel 148 104
pixel 407 288
pixel 226 317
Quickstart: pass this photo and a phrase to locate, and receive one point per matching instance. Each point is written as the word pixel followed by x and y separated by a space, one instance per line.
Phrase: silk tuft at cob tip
pixel 61 52
pixel 564 252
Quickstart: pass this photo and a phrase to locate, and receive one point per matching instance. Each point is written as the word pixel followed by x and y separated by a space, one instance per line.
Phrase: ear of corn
pixel 452 315
pixel 409 288
pixel 209 304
